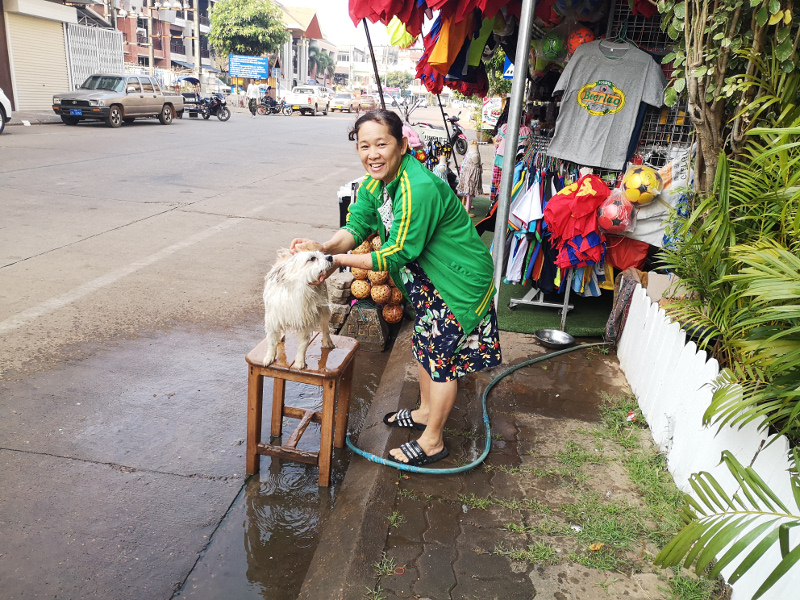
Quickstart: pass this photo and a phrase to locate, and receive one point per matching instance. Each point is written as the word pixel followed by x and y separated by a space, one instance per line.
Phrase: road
pixel 131 268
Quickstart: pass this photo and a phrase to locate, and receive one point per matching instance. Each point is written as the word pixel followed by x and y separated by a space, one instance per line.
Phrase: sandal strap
pixel 403 418
pixel 413 451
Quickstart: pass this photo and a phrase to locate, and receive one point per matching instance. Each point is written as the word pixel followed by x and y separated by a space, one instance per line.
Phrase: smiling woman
pixel 435 257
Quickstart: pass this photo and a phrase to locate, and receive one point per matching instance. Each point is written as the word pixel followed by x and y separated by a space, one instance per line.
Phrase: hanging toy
pixel 440 170
pixel 421 156
pixel 642 184
pixel 553 46
pixel 589 11
pixel 580 36
pixel 470 180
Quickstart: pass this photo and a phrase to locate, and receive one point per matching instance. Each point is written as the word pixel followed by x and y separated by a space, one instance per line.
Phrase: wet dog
pixel 293 303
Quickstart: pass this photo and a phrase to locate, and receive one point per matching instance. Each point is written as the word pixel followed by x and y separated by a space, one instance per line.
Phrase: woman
pixel 436 259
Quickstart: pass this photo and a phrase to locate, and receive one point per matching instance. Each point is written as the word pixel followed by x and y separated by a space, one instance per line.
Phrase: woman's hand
pixel 304 244
pixel 327 273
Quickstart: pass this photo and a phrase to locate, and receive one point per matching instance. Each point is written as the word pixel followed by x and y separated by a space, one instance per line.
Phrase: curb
pixel 353 537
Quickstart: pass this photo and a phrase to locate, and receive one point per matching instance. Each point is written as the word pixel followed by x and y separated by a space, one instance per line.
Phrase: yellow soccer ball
pixel 642 184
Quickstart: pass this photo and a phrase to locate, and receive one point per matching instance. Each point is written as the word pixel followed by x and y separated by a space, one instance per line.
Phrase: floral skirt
pixel 439 343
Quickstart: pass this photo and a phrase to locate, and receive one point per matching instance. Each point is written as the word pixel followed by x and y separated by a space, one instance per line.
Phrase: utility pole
pixel 150 53
pixel 198 60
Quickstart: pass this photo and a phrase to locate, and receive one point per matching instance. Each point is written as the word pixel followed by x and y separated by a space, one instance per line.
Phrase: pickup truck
pixel 309 99
pixel 118 99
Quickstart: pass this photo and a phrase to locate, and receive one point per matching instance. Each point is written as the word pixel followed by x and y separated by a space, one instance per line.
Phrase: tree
pixel 719 61
pixel 398 79
pixel 494 71
pixel 248 27
pixel 320 63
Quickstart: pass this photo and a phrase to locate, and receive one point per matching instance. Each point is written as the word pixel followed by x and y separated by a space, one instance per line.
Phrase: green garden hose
pixel 479 460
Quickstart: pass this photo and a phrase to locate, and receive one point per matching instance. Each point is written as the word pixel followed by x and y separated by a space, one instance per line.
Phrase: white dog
pixel 291 302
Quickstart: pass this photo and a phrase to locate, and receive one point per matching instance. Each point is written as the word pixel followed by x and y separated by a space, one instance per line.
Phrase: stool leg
pixel 255 397
pixel 343 407
pixel 278 389
pixel 326 434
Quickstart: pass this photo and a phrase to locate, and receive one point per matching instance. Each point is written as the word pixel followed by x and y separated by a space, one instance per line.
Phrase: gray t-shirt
pixel 603 87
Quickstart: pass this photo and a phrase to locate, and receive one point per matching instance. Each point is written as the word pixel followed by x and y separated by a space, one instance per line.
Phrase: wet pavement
pixel 442 546
pixel 114 484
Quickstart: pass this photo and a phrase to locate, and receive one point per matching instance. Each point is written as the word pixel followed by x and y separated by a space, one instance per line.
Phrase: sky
pixel 336 24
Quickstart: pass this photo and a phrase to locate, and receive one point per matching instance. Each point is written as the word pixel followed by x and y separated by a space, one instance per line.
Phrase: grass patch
pixel 546 527
pixel 406 493
pixel 537 553
pixel 681 587
pixel 576 456
pixel 648 473
pixel 395 519
pixel 605 559
pixel 384 567
pixel 472 501
pixel 375 593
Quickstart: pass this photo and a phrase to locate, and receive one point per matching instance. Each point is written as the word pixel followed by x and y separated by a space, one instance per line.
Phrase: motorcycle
pixel 215 106
pixel 269 106
pixel 457 139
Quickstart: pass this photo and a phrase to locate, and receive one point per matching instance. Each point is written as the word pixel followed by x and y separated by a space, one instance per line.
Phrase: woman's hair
pixel 384 117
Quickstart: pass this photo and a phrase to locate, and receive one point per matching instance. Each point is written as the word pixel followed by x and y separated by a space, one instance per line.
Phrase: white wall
pixel 671 381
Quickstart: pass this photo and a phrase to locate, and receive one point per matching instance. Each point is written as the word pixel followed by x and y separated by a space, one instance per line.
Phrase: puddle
pixel 265 544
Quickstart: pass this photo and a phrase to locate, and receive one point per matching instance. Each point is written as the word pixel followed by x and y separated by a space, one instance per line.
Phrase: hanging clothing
pixel 603 84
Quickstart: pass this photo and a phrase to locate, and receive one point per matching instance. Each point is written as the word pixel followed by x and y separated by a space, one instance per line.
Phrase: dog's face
pixel 301 268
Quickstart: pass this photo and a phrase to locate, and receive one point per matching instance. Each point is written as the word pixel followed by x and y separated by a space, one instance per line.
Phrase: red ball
pixel 615 216
pixel 580 36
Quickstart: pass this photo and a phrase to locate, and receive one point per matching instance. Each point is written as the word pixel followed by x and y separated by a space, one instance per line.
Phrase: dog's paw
pixel 328 344
pixel 299 364
pixel 269 358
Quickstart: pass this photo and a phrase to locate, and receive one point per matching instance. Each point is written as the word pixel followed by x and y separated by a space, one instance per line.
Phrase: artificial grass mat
pixel 587 319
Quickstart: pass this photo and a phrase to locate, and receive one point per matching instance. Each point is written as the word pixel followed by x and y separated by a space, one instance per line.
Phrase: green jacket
pixel 430 226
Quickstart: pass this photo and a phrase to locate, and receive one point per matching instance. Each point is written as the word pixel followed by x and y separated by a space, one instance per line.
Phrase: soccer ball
pixel 553 46
pixel 642 184
pixel 615 216
pixel 580 36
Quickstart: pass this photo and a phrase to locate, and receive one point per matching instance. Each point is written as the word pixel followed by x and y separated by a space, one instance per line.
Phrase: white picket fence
pixel 671 381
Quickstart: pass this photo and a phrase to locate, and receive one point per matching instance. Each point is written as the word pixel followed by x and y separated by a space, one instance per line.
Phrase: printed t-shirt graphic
pixel 603 87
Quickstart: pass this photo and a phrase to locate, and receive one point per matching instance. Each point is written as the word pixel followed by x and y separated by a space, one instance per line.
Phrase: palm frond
pixel 748 524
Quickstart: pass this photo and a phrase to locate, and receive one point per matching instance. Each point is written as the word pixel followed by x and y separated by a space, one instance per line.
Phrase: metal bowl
pixel 553 338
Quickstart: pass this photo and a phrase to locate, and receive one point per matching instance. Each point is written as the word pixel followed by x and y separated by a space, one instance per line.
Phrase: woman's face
pixel 379 151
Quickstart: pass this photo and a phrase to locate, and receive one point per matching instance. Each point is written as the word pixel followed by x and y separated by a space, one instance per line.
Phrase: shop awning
pixel 190 66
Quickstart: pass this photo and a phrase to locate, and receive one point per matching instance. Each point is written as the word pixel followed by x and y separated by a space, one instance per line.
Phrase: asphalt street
pixel 131 269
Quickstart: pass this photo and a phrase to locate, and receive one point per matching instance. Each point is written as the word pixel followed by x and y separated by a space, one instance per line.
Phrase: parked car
pixel 5 110
pixel 118 99
pixel 344 101
pixel 308 99
pixel 367 102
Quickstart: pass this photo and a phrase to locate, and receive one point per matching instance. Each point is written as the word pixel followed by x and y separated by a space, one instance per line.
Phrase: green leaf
pixel 774 6
pixel 679 85
pixel 725 42
pixel 680 10
pixel 668 58
pixel 788 66
pixel 762 16
pixel 674 32
pixel 699 72
pixel 783 567
pixel 784 51
pixel 670 96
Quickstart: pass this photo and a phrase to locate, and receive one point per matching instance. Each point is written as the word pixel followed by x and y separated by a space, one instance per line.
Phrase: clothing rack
pixel 535 297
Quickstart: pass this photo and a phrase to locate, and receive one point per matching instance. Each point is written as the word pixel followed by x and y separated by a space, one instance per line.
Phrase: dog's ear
pixel 283 256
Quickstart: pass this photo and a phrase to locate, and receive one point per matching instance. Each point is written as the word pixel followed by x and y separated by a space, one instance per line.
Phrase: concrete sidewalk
pixel 443 536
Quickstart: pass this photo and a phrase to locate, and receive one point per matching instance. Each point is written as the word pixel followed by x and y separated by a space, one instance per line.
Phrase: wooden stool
pixel 329 368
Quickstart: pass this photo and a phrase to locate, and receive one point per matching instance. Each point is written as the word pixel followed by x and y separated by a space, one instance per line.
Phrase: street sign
pixel 508 69
pixel 251 67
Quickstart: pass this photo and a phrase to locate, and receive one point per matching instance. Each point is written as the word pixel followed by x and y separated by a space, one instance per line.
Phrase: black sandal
pixel 416 455
pixel 402 418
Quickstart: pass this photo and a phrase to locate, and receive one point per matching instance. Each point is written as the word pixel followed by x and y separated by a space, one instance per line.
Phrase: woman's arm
pixel 359 261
